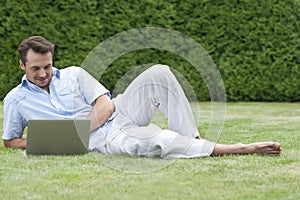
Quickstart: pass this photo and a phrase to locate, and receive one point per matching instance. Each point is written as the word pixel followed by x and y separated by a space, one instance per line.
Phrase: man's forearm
pixel 15 143
pixel 101 111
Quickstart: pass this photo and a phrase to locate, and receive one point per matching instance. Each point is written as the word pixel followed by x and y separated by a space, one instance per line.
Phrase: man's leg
pixel 157 88
pixel 151 141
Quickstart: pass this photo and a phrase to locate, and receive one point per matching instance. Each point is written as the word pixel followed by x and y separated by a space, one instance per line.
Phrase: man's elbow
pixel 15 143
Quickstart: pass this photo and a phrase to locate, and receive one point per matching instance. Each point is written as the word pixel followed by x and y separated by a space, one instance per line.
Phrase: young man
pixel 118 126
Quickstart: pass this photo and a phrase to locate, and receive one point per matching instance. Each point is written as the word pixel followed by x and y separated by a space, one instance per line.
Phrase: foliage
pixel 254 43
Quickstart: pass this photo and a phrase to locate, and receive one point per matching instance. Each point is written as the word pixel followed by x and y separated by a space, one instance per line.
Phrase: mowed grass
pixel 96 176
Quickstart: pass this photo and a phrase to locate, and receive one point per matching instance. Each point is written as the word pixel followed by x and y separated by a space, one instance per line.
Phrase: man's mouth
pixel 42 79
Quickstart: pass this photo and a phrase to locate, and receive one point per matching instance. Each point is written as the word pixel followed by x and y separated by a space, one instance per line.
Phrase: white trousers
pixel 131 131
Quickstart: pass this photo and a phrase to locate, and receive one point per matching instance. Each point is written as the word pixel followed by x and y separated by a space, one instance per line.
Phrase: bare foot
pixel 269 148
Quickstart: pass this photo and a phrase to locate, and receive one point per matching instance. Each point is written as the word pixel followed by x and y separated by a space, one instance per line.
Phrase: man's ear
pixel 22 64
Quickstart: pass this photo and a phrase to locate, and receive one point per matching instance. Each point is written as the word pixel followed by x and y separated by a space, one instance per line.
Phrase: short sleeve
pixel 90 87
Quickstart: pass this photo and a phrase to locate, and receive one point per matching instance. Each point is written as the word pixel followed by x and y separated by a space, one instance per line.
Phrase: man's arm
pixel 103 108
pixel 15 143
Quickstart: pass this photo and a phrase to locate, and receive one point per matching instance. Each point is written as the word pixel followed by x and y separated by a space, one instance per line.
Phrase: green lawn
pixel 95 176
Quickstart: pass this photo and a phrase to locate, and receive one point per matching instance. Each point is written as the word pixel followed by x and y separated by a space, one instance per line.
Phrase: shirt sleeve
pixel 13 123
pixel 90 87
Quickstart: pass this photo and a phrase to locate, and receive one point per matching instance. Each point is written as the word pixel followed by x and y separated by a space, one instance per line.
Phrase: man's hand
pixel 15 143
pixel 103 108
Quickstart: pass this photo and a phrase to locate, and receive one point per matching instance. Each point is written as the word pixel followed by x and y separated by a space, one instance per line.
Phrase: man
pixel 118 126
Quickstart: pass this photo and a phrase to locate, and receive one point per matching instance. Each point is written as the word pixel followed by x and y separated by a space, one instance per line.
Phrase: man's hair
pixel 38 44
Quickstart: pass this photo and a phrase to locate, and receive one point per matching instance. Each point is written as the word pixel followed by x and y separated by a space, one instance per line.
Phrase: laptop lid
pixel 57 137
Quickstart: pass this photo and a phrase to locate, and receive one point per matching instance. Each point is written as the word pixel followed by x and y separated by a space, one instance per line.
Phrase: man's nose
pixel 42 73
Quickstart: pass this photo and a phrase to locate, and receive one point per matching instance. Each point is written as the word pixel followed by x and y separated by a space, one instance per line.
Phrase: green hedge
pixel 255 44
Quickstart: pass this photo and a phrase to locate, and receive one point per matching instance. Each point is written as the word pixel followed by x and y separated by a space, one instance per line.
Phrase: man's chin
pixel 43 85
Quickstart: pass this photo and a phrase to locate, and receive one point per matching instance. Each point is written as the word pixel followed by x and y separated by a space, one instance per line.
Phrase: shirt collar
pixel 56 74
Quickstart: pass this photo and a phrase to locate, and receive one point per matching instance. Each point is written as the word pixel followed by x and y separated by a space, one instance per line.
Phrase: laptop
pixel 57 137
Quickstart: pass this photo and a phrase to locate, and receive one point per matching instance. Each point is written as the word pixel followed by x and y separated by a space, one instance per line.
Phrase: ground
pixel 96 176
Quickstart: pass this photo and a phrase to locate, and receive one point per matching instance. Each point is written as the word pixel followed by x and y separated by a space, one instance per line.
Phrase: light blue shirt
pixel 72 91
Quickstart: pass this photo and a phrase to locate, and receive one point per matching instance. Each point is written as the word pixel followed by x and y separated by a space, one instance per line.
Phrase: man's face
pixel 38 68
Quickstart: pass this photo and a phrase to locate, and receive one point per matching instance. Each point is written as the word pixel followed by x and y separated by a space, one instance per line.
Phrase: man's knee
pixel 162 72
pixel 161 69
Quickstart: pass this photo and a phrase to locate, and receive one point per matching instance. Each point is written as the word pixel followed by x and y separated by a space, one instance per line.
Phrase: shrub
pixel 254 43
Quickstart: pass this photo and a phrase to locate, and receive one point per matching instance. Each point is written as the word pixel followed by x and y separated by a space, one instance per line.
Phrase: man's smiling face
pixel 38 68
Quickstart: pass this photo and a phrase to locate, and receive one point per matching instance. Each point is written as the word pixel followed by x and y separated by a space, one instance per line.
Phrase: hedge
pixel 255 44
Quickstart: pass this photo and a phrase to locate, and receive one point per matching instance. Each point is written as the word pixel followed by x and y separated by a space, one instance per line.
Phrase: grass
pixel 96 176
